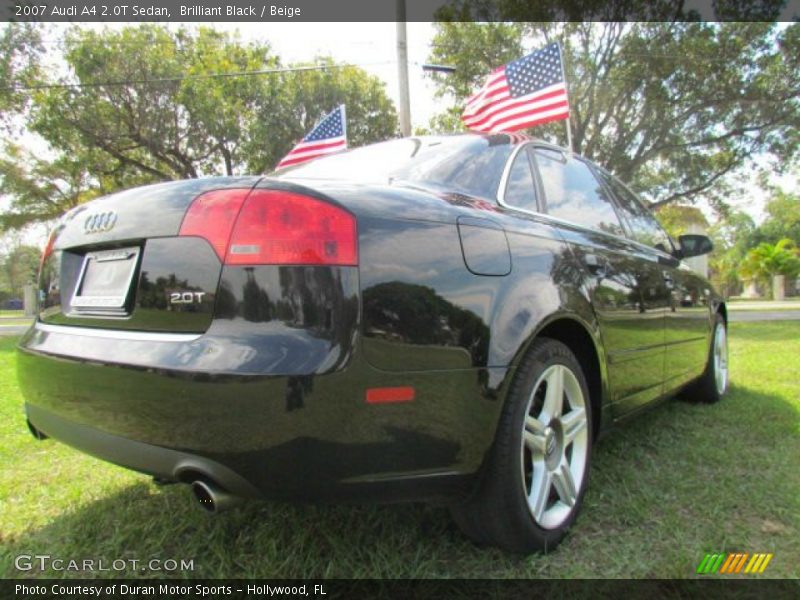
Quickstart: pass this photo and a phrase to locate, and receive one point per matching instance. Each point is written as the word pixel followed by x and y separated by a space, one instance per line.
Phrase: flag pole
pixel 344 123
pixel 566 86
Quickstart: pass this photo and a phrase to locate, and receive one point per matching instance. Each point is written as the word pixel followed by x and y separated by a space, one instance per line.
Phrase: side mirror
pixel 693 244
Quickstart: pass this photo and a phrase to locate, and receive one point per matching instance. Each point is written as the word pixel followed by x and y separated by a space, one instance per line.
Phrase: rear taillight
pixel 212 216
pixel 273 227
pixel 284 228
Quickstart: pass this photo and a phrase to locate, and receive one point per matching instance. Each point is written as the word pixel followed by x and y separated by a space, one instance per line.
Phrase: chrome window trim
pixel 501 188
pixel 117 334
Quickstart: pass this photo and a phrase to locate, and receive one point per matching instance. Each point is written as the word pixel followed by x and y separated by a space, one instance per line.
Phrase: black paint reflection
pixel 312 298
pixel 328 463
pixel 156 294
pixel 416 314
pixel 289 319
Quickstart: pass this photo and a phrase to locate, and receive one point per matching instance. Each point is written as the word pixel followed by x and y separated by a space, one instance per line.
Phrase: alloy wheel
pixel 721 359
pixel 555 445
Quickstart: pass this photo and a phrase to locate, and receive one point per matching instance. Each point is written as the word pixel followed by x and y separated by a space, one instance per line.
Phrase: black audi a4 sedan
pixel 447 319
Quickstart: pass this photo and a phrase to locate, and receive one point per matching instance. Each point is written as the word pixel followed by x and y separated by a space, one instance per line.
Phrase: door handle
pixel 596 265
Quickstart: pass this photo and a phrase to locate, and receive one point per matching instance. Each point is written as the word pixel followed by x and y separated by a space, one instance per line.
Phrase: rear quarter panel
pixel 424 309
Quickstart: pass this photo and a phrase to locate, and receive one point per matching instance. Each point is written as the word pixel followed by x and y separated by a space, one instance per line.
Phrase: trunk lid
pixel 118 262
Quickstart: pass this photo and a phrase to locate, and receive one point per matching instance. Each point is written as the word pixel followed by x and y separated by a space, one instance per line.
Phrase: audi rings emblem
pixel 100 222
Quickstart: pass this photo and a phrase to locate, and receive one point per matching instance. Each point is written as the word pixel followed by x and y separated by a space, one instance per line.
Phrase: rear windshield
pixel 469 164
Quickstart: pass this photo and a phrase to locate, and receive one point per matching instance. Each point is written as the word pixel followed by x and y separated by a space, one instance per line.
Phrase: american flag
pixel 328 136
pixel 526 92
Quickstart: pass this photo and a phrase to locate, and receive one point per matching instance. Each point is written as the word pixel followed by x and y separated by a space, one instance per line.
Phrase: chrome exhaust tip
pixel 213 499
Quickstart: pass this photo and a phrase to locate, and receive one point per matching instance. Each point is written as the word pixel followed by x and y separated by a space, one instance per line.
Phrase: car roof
pixel 494 139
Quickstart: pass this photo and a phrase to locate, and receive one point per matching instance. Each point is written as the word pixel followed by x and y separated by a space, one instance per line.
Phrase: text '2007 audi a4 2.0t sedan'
pixel 451 319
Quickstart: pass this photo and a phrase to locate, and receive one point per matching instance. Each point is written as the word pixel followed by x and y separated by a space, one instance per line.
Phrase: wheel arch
pixel 583 339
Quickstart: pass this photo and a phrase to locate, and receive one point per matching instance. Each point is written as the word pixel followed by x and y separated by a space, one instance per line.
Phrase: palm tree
pixel 765 261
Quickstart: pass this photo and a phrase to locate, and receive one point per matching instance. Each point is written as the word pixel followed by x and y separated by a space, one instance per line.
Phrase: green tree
pixel 732 236
pixel 309 95
pixel 677 219
pixel 42 190
pixel 20 67
pixel 670 107
pixel 767 260
pixel 146 102
pixel 17 268
pixel 783 219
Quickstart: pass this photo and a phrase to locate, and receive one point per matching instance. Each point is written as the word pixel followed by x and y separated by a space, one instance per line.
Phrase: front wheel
pixel 533 485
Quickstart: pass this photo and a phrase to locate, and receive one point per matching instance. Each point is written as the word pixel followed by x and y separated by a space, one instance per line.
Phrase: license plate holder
pixel 105 280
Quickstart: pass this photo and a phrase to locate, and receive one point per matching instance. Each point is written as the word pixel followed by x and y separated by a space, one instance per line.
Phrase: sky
pixel 373 47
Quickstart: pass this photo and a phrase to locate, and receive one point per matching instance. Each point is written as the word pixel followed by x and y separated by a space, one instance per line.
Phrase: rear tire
pixel 713 383
pixel 533 483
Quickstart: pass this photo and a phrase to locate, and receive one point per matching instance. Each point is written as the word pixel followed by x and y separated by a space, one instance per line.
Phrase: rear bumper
pixel 164 463
pixel 153 405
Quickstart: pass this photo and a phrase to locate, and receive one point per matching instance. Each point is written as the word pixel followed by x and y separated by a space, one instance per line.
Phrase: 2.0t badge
pixel 186 297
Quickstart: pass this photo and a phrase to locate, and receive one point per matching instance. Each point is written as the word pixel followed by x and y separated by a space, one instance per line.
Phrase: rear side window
pixel 519 191
pixel 473 169
pixel 574 194
pixel 644 227
pixel 469 164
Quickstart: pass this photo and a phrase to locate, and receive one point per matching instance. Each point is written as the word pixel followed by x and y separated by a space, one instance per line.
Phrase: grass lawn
pixel 679 481
pixel 14 322
pixel 763 304
pixel 11 314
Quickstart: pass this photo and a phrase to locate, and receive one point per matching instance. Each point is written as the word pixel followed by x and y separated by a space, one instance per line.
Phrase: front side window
pixel 519 191
pixel 574 194
pixel 644 227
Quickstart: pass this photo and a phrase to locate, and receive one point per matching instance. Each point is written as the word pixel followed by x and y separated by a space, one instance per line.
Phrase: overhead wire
pixel 155 80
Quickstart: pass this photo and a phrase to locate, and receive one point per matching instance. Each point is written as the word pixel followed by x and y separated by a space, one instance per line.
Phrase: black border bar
pixel 209 11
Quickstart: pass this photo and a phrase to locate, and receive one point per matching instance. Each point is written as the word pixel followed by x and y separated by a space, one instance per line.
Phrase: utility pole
pixel 402 70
